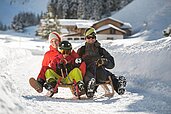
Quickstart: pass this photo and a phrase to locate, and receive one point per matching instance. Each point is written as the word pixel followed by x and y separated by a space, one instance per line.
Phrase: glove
pixel 78 61
pixel 61 66
pixel 101 61
pixel 63 61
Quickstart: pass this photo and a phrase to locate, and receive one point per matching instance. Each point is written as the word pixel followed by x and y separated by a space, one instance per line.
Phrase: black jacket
pixel 92 52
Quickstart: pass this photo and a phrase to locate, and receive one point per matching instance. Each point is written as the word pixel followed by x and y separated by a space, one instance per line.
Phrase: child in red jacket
pixel 66 66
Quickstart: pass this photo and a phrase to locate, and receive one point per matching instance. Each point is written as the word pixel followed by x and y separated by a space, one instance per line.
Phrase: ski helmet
pixel 65 45
pixel 90 32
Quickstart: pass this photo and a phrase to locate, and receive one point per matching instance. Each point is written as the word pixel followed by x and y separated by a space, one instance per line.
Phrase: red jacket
pixel 70 60
pixel 49 56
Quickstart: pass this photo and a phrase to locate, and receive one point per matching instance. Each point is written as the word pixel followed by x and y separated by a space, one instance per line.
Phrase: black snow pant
pixel 90 73
pixel 102 75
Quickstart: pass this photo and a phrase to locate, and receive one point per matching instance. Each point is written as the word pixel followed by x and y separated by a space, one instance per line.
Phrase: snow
pixel 145 64
pixel 154 13
pixel 109 26
pixel 77 22
pixel 144 60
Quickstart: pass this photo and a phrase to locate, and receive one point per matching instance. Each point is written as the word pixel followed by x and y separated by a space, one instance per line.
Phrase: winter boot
pixel 119 84
pixel 37 84
pixel 81 88
pixel 91 88
pixel 50 85
pixel 81 85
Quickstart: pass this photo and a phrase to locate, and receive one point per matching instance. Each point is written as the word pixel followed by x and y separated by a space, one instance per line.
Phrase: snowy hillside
pixel 153 15
pixel 9 9
pixel 146 66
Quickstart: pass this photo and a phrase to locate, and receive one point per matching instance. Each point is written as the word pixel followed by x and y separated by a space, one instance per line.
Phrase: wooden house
pixel 107 28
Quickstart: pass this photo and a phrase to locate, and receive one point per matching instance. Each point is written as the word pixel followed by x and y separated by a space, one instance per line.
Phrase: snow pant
pixel 99 73
pixel 74 74
pixel 90 73
pixel 102 75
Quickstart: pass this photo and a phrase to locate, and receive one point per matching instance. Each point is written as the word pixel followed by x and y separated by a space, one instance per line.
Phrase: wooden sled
pixel 75 91
pixel 108 92
pixel 73 87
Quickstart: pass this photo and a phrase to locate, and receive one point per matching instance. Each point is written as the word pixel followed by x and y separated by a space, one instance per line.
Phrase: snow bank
pixel 145 64
pixel 151 59
pixel 9 102
pixel 8 55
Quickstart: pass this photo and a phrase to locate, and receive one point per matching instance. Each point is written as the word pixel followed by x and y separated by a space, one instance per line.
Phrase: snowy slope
pixel 8 11
pixel 155 13
pixel 146 66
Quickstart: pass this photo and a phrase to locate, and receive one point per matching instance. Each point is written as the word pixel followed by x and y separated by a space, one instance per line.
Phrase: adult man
pixel 97 59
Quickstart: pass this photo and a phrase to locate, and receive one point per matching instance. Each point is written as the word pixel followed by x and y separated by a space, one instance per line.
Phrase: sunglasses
pixel 89 37
pixel 66 52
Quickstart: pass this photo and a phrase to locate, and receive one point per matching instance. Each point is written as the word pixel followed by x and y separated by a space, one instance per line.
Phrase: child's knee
pixel 49 75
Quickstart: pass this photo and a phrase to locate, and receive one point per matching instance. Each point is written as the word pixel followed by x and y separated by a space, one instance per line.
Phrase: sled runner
pixel 73 87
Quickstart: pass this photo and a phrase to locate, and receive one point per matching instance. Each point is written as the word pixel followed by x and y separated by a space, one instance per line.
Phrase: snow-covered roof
pixel 84 25
pixel 108 18
pixel 74 22
pixel 64 31
pixel 126 25
pixel 109 26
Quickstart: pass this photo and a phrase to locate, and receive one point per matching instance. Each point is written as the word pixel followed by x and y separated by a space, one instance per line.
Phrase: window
pixel 69 38
pixel 76 38
pixel 82 38
pixel 110 38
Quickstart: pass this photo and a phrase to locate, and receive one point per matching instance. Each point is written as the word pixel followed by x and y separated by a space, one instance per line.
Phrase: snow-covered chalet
pixel 107 28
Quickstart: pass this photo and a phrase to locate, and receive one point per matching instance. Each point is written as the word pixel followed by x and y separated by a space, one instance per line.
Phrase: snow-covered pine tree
pixel 49 22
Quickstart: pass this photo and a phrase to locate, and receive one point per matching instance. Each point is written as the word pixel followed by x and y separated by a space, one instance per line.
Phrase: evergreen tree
pixel 48 22
pixel 80 11
pixel 97 6
pixel 72 11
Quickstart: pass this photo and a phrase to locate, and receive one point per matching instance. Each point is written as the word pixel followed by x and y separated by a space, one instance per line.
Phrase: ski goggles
pixel 65 52
pixel 89 37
